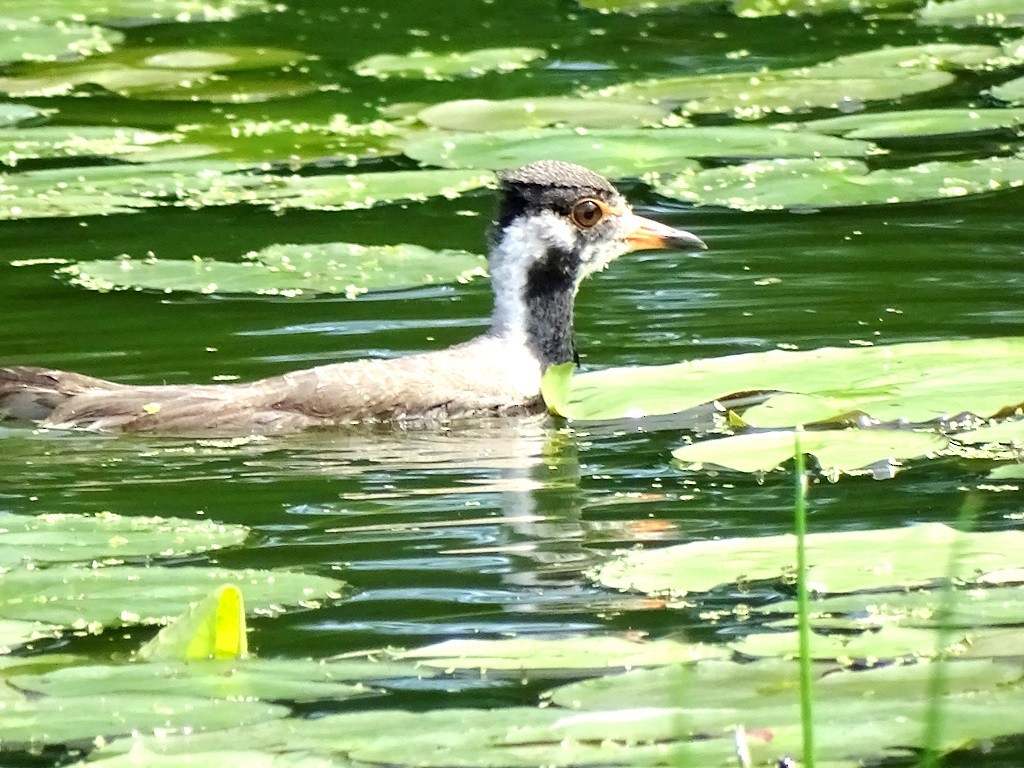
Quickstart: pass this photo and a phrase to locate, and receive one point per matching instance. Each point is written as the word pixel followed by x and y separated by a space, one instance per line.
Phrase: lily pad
pixel 120 595
pixel 1008 432
pixel 15 633
pixel 758 8
pixel 753 94
pixel 343 268
pixel 966 13
pixel 619 153
pixel 906 59
pixel 851 451
pixel 56 538
pixel 542 112
pixel 28 40
pixel 445 66
pixel 845 561
pixel 917 382
pixel 814 184
pixel 134 13
pixel 50 142
pixel 888 642
pixel 16 114
pixel 567 653
pixel 1012 91
pixel 917 122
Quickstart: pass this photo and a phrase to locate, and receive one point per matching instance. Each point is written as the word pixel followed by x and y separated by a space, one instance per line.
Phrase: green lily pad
pixel 542 112
pixel 1012 91
pixel 758 8
pixel 845 561
pixel 134 13
pixel 566 653
pixel 15 633
pixel 213 58
pixel 289 270
pixel 917 382
pixel 1002 432
pixel 753 94
pixel 889 642
pixel 814 184
pixel 94 598
pixel 634 6
pixel 445 66
pixel 917 122
pixel 966 13
pixel 56 538
pixel 15 114
pixel 50 142
pixel 906 59
pixel 850 451
pixel 28 40
pixel 81 720
pixel 293 680
pixel 619 153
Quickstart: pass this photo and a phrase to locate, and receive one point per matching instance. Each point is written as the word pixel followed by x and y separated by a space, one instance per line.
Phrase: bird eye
pixel 586 213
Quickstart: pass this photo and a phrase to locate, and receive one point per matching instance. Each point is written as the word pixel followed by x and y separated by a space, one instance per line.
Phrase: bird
pixel 555 224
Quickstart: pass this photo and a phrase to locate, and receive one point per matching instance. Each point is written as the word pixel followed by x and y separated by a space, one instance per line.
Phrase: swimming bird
pixel 556 224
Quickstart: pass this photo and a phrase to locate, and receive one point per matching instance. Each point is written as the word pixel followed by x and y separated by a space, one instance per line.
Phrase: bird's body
pixel 556 223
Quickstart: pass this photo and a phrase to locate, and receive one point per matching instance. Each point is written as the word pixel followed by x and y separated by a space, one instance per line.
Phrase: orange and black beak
pixel 645 234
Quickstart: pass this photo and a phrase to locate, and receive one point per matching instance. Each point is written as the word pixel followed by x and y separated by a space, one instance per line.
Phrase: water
pixel 486 530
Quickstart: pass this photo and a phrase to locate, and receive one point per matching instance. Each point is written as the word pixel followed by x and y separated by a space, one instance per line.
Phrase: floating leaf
pixel 15 114
pixel 15 633
pixel 119 595
pixel 56 538
pixel 1003 432
pixel 885 643
pixel 566 653
pixel 904 59
pixel 485 115
pixel 753 94
pixel 813 184
pixel 445 66
pixel 345 268
pixel 845 561
pixel 84 719
pixel 758 8
pixel 981 13
pixel 28 40
pixel 917 122
pixel 1012 91
pixel 132 13
pixel 49 142
pixel 849 450
pixel 917 382
pixel 221 58
pixel 296 680
pixel 213 628
pixel 633 6
pixel 621 153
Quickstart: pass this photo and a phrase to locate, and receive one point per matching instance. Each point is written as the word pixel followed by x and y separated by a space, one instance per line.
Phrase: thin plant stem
pixel 803 604
pixel 933 718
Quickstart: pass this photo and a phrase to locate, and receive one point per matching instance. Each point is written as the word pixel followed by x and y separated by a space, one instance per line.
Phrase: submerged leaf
pixel 849 451
pixel 345 268
pixel 844 561
pixel 619 153
pixel 445 66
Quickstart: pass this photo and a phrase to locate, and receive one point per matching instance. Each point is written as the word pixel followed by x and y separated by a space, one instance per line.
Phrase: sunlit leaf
pixel 15 633
pixel 847 451
pixel 28 40
pixel 1012 91
pixel 49 142
pixel 94 598
pixel 565 653
pixel 966 13
pixel 886 643
pixel 1002 432
pixel 132 13
pixel 621 153
pixel 905 59
pixel 485 115
pixel 752 94
pixel 633 6
pixel 345 268
pixel 812 184
pixel 917 382
pixel 444 66
pixel 213 628
pixel 917 122
pixel 843 561
pixel 757 8
pixel 14 114
pixel 56 538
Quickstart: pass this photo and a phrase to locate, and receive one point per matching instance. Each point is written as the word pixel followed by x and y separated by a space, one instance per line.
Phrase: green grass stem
pixel 803 605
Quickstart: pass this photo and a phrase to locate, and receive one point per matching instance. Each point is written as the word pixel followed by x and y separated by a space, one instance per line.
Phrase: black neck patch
pixel 549 293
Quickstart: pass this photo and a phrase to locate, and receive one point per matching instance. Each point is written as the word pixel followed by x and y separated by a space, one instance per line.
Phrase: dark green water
pixel 525 508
